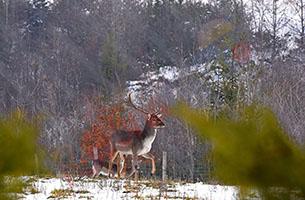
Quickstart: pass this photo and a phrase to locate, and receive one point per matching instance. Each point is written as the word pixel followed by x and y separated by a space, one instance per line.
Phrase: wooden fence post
pixel 164 165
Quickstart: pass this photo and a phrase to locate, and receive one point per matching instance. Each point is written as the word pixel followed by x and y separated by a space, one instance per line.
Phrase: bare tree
pixel 298 6
pixel 284 90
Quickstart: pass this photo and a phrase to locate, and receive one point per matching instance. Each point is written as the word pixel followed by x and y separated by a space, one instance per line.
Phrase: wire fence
pixel 174 171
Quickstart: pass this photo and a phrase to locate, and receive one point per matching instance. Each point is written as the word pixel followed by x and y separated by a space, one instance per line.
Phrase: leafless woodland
pixel 56 57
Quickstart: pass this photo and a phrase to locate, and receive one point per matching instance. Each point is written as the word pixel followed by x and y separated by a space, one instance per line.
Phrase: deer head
pixel 153 119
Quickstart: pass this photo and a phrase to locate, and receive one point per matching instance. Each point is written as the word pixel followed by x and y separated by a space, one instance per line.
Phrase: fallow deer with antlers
pixel 135 143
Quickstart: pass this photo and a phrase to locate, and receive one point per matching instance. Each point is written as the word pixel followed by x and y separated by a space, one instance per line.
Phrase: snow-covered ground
pixel 84 188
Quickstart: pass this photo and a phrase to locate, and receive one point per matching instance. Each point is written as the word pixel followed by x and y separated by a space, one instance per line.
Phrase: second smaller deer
pixel 98 169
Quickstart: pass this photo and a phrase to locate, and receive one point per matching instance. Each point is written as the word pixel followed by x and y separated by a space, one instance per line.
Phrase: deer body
pixel 133 142
pixel 136 143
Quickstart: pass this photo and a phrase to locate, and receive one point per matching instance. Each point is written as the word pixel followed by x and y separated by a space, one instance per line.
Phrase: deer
pixel 98 166
pixel 135 143
pixel 99 169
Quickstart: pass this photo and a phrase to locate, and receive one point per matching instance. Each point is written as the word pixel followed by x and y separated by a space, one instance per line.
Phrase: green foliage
pixel 224 86
pixel 19 152
pixel 252 150
pixel 111 61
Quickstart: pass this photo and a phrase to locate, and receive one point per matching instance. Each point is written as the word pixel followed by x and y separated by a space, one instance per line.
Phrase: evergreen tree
pixel 112 64
pixel 37 19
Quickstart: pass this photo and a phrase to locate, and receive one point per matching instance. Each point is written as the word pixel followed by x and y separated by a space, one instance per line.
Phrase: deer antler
pixel 139 109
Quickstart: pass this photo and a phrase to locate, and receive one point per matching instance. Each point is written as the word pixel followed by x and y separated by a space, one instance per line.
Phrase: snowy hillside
pixel 154 81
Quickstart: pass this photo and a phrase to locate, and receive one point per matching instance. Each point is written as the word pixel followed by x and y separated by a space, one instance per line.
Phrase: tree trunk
pixel 302 22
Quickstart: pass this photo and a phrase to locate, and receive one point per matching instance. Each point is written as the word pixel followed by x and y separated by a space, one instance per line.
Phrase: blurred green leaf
pixel 251 150
pixel 19 151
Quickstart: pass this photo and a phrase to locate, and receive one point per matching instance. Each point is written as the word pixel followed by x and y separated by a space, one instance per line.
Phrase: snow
pixel 204 191
pixel 48 2
pixel 151 81
pixel 169 73
pixel 125 189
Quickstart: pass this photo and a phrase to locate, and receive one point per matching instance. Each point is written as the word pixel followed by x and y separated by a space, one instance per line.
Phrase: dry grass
pixel 64 193
pixel 61 193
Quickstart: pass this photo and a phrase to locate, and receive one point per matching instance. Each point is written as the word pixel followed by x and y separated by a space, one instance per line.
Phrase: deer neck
pixel 149 133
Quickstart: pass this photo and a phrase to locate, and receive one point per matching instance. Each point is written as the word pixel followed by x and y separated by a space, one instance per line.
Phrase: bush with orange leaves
pixel 241 52
pixel 108 119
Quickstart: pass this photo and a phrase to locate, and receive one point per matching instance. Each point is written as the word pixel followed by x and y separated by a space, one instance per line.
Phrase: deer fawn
pixel 98 166
pixel 135 143
pixel 99 169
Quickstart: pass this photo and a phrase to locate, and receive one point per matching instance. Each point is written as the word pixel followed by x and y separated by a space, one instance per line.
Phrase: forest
pixel 73 64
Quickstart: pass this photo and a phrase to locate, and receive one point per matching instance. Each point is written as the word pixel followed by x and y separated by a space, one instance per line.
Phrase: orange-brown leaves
pixel 241 52
pixel 108 119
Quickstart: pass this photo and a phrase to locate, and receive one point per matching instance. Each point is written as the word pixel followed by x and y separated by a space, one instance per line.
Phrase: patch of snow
pixel 199 68
pixel 152 81
pixel 49 3
pixel 169 73
pixel 204 191
pixel 125 189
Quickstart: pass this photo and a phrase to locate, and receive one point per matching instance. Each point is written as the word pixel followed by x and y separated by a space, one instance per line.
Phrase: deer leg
pixel 122 165
pixel 111 162
pixel 96 168
pixel 93 170
pixel 152 158
pixel 94 174
pixel 118 161
pixel 134 165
